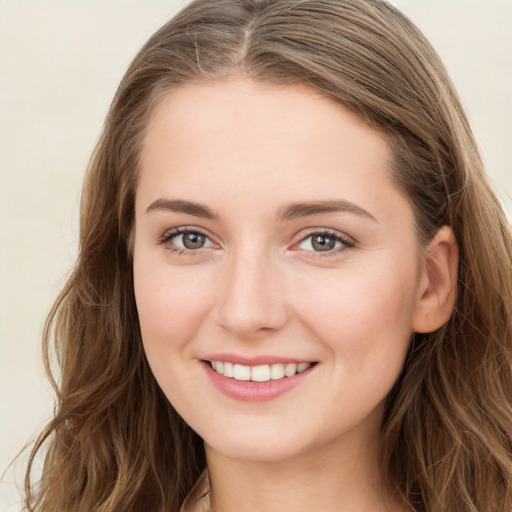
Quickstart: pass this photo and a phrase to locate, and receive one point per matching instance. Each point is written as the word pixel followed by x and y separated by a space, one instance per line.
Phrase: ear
pixel 438 282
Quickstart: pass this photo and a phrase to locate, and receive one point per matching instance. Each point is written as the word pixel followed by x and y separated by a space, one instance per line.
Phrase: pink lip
pixel 249 391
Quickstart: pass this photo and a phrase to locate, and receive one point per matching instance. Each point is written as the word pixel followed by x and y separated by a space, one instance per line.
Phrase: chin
pixel 262 447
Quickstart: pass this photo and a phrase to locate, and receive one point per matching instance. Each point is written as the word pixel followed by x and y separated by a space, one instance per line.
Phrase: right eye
pixel 185 239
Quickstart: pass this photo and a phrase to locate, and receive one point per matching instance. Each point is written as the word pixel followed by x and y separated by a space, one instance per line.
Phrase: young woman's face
pixel 270 239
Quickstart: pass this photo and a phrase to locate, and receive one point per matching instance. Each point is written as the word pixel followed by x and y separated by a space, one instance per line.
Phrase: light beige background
pixel 60 63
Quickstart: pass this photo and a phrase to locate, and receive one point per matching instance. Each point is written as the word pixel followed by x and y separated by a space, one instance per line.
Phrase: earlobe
pixel 438 283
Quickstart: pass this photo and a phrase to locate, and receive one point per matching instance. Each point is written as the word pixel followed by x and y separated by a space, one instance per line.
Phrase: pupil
pixel 323 243
pixel 193 240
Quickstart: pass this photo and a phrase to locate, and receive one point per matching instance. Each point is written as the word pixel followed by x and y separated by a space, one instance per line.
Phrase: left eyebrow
pixel 305 209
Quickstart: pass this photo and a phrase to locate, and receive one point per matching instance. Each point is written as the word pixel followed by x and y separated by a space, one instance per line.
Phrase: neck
pixel 341 476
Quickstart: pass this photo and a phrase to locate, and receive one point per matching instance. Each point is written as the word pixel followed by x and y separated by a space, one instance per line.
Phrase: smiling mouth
pixel 259 373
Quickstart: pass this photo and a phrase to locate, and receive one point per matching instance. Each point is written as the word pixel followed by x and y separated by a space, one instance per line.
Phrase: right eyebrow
pixel 182 206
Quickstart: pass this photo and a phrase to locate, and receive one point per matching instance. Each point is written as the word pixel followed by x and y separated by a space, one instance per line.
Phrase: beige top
pixel 198 499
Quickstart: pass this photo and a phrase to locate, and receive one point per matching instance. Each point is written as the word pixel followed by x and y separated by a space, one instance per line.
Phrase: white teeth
pixel 228 370
pixel 277 371
pixel 290 370
pixel 300 367
pixel 241 372
pixel 260 373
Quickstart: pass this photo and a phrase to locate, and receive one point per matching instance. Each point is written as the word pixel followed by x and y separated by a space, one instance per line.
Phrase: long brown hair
pixel 115 443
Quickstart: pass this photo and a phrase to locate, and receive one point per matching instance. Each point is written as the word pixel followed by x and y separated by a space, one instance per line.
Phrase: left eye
pixel 190 240
pixel 321 242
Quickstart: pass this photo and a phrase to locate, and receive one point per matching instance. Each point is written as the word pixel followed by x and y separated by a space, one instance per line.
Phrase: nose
pixel 252 295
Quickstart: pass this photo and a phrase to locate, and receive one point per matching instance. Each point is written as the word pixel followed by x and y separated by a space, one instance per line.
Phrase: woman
pixel 293 273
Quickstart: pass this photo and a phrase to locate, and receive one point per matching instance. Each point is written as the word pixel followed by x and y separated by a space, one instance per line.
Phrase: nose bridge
pixel 251 298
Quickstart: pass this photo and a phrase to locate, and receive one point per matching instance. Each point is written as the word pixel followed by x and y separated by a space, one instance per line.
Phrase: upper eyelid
pixel 299 236
pixel 170 233
pixel 324 231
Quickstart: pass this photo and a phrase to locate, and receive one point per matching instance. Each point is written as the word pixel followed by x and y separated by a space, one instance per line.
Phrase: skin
pixel 257 287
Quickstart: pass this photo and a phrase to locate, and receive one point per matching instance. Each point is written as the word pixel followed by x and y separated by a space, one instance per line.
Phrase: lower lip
pixel 250 391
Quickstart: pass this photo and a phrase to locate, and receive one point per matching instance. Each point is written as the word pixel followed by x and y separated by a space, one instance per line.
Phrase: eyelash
pixel 168 236
pixel 347 243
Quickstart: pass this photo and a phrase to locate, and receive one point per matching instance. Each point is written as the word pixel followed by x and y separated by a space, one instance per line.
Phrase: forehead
pixel 238 106
pixel 255 141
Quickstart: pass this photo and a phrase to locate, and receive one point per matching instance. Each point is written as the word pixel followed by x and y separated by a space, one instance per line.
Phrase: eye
pixel 324 241
pixel 190 240
pixel 185 239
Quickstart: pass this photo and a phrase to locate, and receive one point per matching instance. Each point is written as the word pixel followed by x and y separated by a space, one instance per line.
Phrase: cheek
pixel 171 307
pixel 361 314
pixel 171 304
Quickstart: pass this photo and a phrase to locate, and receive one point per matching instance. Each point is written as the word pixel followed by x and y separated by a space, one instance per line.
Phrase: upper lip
pixel 254 360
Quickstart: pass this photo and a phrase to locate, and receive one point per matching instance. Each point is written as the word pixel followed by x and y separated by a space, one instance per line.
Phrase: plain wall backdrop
pixel 60 64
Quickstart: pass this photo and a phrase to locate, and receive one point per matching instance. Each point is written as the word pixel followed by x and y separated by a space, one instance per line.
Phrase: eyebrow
pixel 305 209
pixel 287 212
pixel 182 206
